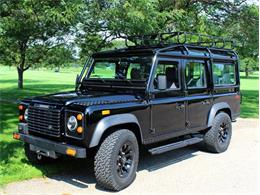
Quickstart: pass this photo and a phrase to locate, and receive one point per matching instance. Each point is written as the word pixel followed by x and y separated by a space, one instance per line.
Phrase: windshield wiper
pixel 130 82
pixel 103 80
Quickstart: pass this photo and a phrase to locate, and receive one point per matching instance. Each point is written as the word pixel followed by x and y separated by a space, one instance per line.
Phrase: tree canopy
pixel 30 29
pixel 27 24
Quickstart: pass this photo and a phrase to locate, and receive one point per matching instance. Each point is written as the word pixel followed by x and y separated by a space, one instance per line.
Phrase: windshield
pixel 131 69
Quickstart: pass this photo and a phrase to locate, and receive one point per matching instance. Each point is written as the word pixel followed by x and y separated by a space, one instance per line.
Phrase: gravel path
pixel 184 171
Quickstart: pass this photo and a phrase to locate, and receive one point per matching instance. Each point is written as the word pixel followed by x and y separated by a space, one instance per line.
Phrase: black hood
pixel 89 98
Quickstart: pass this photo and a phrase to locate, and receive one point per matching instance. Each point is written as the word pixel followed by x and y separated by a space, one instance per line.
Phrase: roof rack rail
pixel 186 38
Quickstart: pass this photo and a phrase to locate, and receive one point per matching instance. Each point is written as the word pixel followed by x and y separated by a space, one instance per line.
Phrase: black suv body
pixel 162 97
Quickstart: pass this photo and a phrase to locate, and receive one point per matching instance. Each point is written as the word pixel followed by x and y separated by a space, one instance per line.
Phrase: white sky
pixel 253 1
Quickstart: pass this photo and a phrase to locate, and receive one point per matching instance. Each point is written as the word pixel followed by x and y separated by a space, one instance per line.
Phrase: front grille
pixel 44 121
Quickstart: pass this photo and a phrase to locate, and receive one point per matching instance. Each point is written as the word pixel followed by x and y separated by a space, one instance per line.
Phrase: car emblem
pixel 50 127
pixel 41 106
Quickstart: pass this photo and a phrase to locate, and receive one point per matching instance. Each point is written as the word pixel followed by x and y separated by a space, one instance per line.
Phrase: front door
pixel 167 105
pixel 199 99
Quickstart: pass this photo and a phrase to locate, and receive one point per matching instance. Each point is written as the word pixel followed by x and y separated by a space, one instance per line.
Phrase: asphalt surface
pixel 184 171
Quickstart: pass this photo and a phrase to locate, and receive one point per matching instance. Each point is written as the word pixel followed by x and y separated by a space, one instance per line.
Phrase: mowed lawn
pixel 250 95
pixel 13 164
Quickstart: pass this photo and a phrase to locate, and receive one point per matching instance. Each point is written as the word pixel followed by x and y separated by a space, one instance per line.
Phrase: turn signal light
pixel 105 112
pixel 79 117
pixel 16 136
pixel 79 130
pixel 237 97
pixel 20 107
pixel 71 152
pixel 21 117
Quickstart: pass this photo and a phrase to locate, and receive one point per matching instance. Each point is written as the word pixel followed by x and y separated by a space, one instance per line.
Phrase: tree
pixel 246 32
pixel 27 24
pixel 53 57
pixel 107 19
pixel 56 57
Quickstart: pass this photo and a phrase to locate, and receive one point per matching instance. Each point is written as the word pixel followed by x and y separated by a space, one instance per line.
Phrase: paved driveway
pixel 188 170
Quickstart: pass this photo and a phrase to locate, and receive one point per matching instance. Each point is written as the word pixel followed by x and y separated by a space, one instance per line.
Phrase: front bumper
pixel 58 147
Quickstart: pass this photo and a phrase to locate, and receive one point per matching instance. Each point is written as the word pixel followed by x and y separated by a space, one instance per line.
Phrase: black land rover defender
pixel 179 91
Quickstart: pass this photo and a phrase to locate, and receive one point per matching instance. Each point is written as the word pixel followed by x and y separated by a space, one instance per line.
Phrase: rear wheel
pixel 217 139
pixel 116 160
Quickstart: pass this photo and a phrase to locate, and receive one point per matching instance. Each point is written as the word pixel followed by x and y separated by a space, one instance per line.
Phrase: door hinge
pixel 152 131
pixel 187 123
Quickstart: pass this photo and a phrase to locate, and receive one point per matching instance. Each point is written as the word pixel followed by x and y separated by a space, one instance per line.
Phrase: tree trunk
pixel 247 71
pixel 20 77
pixel 21 68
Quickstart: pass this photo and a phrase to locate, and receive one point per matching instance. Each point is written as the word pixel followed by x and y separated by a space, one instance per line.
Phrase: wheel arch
pixel 217 108
pixel 110 124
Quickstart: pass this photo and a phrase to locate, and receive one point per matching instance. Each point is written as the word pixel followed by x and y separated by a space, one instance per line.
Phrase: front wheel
pixel 217 139
pixel 116 160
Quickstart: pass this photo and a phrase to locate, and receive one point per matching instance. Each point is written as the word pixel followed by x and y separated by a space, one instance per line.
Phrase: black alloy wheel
pixel 116 160
pixel 125 160
pixel 217 138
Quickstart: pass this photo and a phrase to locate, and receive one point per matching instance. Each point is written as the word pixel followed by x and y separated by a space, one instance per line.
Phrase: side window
pixel 195 75
pixel 223 74
pixel 134 71
pixel 168 71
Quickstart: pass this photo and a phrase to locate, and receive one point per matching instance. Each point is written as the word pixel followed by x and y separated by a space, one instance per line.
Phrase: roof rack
pixel 177 38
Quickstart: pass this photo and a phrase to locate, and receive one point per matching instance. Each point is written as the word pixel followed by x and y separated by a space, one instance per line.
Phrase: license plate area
pixel 43 152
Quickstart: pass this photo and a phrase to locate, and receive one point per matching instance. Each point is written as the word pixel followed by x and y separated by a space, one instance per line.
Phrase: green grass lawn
pixel 250 96
pixel 13 164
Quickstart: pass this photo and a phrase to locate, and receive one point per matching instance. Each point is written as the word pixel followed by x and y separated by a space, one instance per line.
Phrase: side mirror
pixel 162 82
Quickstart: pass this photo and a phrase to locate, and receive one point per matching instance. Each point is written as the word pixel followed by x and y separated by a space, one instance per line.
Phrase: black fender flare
pixel 110 121
pixel 214 109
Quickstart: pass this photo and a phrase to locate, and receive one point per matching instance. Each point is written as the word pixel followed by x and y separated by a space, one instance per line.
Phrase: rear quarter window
pixel 223 74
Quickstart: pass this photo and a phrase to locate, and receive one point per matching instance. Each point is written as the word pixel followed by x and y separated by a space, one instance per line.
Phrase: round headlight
pixel 72 123
pixel 26 114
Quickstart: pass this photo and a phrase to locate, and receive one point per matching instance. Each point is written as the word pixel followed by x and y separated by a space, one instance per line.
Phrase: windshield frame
pixel 86 73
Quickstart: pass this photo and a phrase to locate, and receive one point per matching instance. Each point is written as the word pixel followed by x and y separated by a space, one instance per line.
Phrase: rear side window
pixel 195 75
pixel 223 74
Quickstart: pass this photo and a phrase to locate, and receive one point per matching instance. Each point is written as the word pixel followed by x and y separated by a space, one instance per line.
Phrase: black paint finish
pixel 161 115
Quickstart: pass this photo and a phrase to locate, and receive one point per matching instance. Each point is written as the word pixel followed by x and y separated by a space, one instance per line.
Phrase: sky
pixel 253 1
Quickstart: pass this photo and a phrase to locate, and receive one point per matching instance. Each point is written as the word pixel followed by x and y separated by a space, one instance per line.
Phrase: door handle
pixel 180 106
pixel 205 102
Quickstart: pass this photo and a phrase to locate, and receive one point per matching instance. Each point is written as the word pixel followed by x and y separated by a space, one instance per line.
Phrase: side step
pixel 176 145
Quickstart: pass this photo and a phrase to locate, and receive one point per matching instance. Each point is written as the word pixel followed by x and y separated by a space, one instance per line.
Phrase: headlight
pixel 26 114
pixel 72 123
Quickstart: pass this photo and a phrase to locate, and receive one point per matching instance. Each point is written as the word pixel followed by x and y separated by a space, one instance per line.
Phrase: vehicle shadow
pixel 154 162
pixel 83 172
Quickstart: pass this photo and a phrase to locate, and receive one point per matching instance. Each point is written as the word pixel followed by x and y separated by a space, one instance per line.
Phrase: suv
pixel 161 96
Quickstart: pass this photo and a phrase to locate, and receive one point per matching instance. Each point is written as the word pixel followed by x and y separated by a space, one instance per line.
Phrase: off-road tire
pixel 106 160
pixel 32 156
pixel 212 138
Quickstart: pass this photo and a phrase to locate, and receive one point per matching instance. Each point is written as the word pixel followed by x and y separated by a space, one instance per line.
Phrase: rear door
pixel 198 94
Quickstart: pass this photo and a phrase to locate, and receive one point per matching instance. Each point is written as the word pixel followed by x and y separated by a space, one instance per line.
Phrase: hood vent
pixel 102 102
